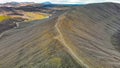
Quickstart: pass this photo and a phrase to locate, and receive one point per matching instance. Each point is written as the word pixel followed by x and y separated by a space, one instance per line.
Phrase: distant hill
pixel 46 3
pixel 16 4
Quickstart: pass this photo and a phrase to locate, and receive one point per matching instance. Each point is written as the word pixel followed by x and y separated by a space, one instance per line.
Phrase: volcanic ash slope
pixel 91 35
pixel 83 37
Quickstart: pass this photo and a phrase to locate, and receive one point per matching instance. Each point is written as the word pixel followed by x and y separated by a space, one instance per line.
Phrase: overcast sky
pixel 62 1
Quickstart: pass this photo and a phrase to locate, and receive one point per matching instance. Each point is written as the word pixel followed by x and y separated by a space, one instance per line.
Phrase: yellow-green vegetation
pixel 2 18
pixel 35 16
pixel 28 16
pixel 56 60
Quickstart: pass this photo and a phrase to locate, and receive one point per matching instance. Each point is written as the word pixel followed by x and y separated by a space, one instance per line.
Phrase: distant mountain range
pixel 47 4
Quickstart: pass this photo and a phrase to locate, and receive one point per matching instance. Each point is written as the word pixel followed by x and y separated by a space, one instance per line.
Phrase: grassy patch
pixel 28 16
pixel 2 18
pixel 56 61
pixel 35 16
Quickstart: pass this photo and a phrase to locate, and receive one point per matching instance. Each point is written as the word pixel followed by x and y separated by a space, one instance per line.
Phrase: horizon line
pixel 59 2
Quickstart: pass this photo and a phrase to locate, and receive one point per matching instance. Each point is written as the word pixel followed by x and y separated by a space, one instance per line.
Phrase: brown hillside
pixel 83 37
